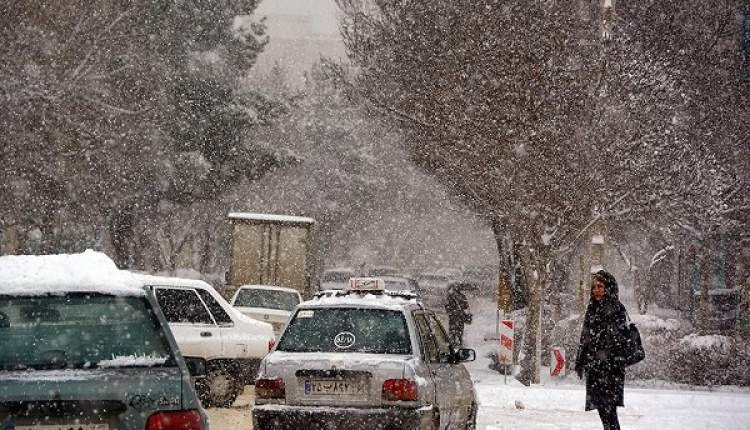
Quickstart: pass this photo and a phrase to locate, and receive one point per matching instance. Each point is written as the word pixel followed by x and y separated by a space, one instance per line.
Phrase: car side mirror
pixel 464 354
pixel 196 366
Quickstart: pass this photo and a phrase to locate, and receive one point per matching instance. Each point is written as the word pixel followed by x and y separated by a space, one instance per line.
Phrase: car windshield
pixel 267 299
pixel 376 331
pixel 336 277
pixel 80 331
pixel 397 284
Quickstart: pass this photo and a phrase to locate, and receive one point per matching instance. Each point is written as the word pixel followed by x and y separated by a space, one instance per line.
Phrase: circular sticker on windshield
pixel 344 340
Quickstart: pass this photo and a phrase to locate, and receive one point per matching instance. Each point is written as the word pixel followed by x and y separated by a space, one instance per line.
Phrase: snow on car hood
pixel 89 271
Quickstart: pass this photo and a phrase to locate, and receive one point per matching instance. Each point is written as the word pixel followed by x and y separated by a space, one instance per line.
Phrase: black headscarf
pixel 610 287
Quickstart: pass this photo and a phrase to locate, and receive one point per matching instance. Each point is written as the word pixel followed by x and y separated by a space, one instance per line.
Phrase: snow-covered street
pixel 560 406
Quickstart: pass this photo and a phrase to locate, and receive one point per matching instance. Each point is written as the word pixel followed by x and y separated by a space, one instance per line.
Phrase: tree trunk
pixel 704 313
pixel 504 251
pixel 536 278
pixel 121 232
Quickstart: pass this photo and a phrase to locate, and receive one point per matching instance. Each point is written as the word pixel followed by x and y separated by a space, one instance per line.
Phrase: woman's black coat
pixel 600 353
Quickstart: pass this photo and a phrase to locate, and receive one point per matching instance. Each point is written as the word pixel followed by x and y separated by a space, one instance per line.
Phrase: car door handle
pixel 206 334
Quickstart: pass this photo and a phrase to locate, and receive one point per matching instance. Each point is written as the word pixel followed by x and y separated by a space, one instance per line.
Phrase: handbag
pixel 633 351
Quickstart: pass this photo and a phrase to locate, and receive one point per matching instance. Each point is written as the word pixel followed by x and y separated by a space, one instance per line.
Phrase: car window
pixel 441 339
pixel 182 306
pixel 425 338
pixel 376 331
pixel 336 276
pixel 77 331
pixel 220 315
pixel 397 284
pixel 268 299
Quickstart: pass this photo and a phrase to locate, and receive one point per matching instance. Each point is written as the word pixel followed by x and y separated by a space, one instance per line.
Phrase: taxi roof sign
pixel 366 284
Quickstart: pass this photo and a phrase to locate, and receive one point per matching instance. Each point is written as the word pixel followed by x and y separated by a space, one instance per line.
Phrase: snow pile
pixel 653 323
pixel 721 344
pixel 709 360
pixel 89 271
pixel 380 300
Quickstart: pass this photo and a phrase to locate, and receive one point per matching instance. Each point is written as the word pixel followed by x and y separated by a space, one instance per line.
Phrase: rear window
pixel 398 285
pixel 375 331
pixel 80 331
pixel 337 276
pixel 268 299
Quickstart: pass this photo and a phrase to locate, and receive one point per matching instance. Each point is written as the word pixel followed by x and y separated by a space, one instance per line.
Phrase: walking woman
pixel 600 354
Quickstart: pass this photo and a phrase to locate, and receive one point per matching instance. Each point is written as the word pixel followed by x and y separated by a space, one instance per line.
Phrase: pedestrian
pixel 601 351
pixel 459 313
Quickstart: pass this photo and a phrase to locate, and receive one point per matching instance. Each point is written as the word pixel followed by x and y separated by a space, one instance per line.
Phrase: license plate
pixel 335 388
pixel 64 427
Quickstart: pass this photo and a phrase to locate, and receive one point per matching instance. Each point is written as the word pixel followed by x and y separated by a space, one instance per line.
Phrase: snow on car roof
pixel 383 300
pixel 169 281
pixel 270 217
pixel 88 272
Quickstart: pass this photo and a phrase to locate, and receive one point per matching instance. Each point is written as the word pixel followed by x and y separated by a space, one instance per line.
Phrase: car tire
pixel 219 389
pixel 471 422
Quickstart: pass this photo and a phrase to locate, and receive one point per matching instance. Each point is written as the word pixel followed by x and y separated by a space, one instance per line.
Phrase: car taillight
pixel 399 390
pixel 271 344
pixel 175 420
pixel 270 388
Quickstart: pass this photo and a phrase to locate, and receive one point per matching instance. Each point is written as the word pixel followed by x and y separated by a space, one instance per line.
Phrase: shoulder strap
pixel 628 321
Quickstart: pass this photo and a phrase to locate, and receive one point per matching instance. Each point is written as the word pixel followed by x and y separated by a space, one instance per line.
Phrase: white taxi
pixel 364 358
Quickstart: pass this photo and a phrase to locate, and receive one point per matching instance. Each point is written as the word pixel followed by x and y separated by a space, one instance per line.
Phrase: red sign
pixel 506 342
pixel 558 362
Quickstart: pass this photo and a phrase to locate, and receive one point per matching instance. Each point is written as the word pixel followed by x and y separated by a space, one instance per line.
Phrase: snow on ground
pixel 559 405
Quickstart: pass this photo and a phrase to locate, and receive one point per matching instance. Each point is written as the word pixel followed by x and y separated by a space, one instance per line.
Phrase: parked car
pixel 433 289
pixel 336 279
pixel 207 327
pixel 382 271
pixel 400 283
pixel 267 303
pixel 84 346
pixel 364 358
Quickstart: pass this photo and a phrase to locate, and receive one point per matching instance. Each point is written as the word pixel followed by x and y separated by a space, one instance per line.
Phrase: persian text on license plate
pixel 334 388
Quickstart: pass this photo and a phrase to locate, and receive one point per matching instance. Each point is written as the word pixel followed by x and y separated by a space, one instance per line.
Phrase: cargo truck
pixel 280 250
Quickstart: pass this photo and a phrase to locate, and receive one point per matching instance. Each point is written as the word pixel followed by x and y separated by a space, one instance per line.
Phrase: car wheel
pixel 219 389
pixel 471 421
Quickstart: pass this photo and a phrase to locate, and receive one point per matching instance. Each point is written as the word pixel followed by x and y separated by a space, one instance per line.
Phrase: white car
pixel 267 303
pixel 364 358
pixel 205 326
pixel 399 283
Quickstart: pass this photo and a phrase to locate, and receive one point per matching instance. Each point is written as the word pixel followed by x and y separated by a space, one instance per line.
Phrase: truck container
pixel 269 249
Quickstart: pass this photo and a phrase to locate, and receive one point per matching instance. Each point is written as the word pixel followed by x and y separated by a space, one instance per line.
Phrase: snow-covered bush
pixel 658 336
pixel 567 334
pixel 709 360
